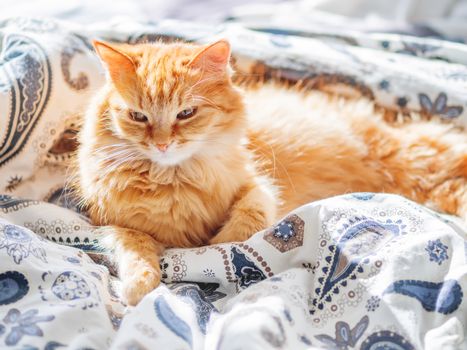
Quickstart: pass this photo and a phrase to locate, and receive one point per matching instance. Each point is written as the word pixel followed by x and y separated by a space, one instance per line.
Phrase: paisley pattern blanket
pixel 358 271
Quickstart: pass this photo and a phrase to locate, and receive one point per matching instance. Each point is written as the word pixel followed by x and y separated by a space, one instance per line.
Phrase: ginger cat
pixel 173 154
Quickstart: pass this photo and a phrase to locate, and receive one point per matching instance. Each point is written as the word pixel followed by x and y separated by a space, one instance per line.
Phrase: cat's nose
pixel 162 146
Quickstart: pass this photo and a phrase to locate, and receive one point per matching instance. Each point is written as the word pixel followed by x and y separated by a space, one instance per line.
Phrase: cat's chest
pixel 176 214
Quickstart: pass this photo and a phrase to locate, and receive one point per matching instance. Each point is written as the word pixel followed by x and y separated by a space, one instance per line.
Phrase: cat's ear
pixel 213 58
pixel 120 66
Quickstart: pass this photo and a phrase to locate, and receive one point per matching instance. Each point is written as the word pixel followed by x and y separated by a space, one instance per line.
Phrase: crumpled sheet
pixel 428 18
pixel 357 271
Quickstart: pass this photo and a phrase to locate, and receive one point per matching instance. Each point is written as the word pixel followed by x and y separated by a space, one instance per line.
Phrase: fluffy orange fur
pixel 173 154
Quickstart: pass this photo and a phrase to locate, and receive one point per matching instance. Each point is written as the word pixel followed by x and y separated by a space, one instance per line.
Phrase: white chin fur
pixel 173 155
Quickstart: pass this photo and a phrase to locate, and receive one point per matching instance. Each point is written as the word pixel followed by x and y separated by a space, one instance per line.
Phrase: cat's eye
pixel 187 113
pixel 138 117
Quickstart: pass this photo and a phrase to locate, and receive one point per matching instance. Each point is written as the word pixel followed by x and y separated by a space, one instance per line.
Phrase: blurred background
pixel 445 19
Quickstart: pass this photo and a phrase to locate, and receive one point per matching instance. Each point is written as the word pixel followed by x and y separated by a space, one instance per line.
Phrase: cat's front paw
pixel 136 286
pixel 228 235
pixel 218 239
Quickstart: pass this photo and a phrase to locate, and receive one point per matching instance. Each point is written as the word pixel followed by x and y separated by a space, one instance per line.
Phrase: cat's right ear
pixel 119 65
pixel 212 59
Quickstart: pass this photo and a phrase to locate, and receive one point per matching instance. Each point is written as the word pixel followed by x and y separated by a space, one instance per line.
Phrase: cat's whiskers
pixel 206 100
pixel 110 151
pixel 68 186
pixel 103 156
pixel 116 154
pixel 128 160
pixel 119 156
pixel 115 145
pixel 200 81
pixel 112 160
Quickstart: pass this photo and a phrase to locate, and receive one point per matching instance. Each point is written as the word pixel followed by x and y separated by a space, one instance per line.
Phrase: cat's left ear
pixel 120 66
pixel 213 58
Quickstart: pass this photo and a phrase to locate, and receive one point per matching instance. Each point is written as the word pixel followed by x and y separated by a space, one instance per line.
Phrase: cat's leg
pixel 137 257
pixel 254 210
pixel 451 197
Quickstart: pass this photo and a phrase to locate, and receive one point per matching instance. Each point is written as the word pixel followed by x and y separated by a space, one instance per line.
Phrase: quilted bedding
pixel 357 271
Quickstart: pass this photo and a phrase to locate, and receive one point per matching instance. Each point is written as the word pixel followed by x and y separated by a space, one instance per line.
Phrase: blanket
pixel 427 18
pixel 357 271
pixel 445 19
pixel 364 271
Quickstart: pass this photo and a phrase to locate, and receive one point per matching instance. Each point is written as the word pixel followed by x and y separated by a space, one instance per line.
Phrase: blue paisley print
pixel 359 238
pixel 345 337
pixel 439 107
pixel 9 204
pixel 172 321
pixel 437 251
pixel 363 196
pixel 70 285
pixel 195 297
pixel 13 286
pixel 284 230
pixel 444 297
pixel 22 324
pixel 386 340
pixel 29 91
pixel 19 243
pixel 245 270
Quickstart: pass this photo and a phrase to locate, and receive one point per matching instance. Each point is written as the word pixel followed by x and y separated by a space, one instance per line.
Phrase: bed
pixel 357 271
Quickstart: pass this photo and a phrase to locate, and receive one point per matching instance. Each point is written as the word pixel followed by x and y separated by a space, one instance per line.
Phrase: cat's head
pixel 171 102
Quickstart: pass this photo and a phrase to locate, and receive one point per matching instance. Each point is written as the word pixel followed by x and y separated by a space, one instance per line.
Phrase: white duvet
pixel 359 271
pixel 363 271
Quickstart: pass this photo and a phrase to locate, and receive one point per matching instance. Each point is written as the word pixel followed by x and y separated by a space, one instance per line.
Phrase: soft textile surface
pixel 91 11
pixel 446 18
pixel 431 18
pixel 356 271
pixel 359 271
